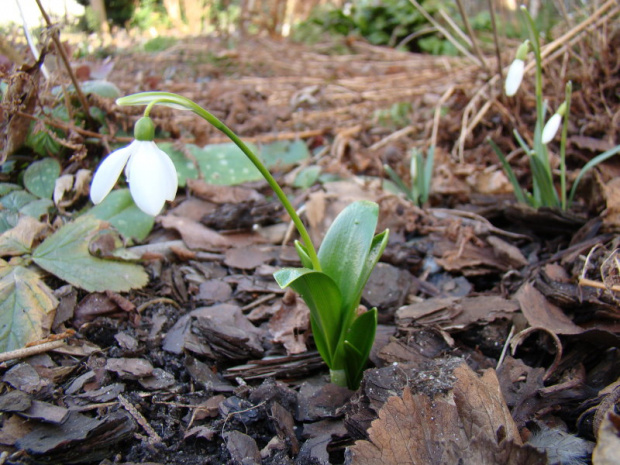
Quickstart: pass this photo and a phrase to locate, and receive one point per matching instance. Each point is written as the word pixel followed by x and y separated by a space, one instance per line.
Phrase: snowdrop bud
pixel 551 128
pixel 516 70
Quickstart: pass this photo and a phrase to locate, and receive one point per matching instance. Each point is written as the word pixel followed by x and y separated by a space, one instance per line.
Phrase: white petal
pixel 108 172
pixel 149 178
pixel 551 128
pixel 172 181
pixel 514 77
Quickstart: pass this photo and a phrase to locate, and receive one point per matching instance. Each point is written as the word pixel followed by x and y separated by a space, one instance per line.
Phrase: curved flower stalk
pixel 330 282
pixel 151 174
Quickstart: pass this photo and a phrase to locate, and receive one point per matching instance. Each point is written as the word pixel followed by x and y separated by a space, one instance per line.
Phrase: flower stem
pixel 338 377
pixel 177 101
pixel 568 94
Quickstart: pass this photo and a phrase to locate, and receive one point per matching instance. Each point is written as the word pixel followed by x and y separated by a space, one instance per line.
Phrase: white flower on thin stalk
pixel 552 126
pixel 516 70
pixel 150 173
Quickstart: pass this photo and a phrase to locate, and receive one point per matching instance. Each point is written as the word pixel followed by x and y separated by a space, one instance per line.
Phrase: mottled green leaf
pixel 186 168
pixel 282 154
pixel 17 199
pixel 65 254
pixel 224 164
pixel 37 208
pixel 6 187
pixel 307 177
pixel 119 209
pixel 25 301
pixel 40 177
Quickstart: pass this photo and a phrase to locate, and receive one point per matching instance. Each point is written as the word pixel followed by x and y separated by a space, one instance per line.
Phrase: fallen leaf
pixel 470 424
pixel 25 305
pixel 19 240
pixel 65 254
pixel 607 448
pixel 289 325
pixel 543 314
pixel 222 193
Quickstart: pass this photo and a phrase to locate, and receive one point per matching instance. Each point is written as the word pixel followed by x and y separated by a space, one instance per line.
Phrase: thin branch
pixel 445 33
pixel 472 37
pixel 63 55
pixel 498 54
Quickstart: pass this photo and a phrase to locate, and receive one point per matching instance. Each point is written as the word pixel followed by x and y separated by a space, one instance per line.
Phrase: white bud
pixel 551 128
pixel 514 77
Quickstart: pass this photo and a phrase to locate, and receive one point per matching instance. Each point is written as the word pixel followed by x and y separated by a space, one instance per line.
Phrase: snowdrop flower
pixel 552 126
pixel 516 70
pixel 151 174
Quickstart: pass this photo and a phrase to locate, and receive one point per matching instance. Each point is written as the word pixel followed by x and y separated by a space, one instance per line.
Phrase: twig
pixel 257 302
pixel 445 33
pixel 444 98
pixel 498 55
pixel 598 285
pixel 30 351
pixel 472 37
pixel 154 438
pixel 30 40
pixel 63 55
pixel 392 137
pixel 505 348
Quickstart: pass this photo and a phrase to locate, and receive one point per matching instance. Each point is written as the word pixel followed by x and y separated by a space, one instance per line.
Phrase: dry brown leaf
pixel 198 236
pixel 469 425
pixel 19 240
pixel 607 450
pixel 223 194
pixel 543 314
pixel 289 326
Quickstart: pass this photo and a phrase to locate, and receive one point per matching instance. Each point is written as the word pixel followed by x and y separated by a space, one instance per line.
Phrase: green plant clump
pixel 544 193
pixel 421 171
pixel 330 281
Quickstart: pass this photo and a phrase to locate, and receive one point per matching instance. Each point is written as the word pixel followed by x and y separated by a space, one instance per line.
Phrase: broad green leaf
pixel 6 187
pixel 40 177
pixel 99 87
pixel 359 340
pixel 345 249
pixel 224 164
pixel 119 209
pixel 37 208
pixel 307 177
pixel 8 220
pixel 17 199
pixel 25 301
pixel 323 298
pixel 280 154
pixel 186 168
pixel 65 254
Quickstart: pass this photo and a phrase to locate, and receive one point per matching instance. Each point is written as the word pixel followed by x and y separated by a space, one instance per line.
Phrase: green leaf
pixel 65 254
pixel 357 345
pixel 40 177
pixel 8 220
pixel 519 194
pixel 119 209
pixel 15 200
pixel 307 177
pixel 99 87
pixel 281 154
pixel 344 251
pixel 25 301
pixel 186 168
pixel 302 251
pixel 588 166
pixel 323 298
pixel 37 208
pixel 6 187
pixel 224 164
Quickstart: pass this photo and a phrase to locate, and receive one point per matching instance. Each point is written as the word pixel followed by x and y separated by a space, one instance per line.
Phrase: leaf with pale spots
pixel 65 254
pixel 119 209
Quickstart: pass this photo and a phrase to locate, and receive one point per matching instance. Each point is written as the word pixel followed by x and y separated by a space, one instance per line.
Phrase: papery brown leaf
pixel 19 240
pixel 290 324
pixel 543 314
pixel 607 448
pixel 469 425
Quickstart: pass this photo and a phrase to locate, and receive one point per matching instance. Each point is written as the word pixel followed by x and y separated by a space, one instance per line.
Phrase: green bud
pixel 144 129
pixel 523 50
pixel 562 109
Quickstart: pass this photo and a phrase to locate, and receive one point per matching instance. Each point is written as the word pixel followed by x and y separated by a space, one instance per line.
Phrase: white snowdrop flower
pixel 516 70
pixel 551 128
pixel 151 174
pixel 514 77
